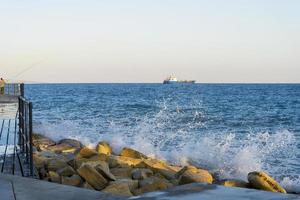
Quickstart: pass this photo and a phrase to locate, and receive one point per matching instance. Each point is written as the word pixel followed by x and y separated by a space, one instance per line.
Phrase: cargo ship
pixel 173 79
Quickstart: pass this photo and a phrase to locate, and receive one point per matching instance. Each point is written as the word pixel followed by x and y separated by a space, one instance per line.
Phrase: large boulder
pixel 94 178
pixel 118 188
pixel 104 148
pixel 128 152
pixel 152 184
pixel 141 173
pixel 121 161
pixel 262 181
pixel 103 169
pixel 85 152
pixel 74 180
pixel 190 174
pixel 121 173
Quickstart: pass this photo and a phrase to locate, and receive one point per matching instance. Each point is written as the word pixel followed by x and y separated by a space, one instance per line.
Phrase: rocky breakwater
pixel 129 173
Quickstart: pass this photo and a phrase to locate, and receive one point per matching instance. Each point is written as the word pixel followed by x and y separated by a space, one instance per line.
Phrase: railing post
pixel 30 140
pixel 22 89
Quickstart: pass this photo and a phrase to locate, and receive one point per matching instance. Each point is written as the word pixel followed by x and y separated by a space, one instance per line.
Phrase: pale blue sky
pixel 147 40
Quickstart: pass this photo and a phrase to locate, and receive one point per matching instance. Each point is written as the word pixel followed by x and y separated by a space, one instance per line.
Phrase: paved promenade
pixel 19 188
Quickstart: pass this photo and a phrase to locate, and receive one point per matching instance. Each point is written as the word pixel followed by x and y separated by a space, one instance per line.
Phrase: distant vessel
pixel 173 79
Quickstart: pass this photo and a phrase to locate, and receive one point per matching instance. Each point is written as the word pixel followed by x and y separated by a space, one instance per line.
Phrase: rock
pixel 141 173
pixel 131 153
pixel 118 188
pixel 56 164
pixel 103 169
pixel 262 181
pixel 161 167
pixel 74 180
pixel 152 184
pixel 66 171
pixel 77 162
pixel 234 183
pixel 54 177
pixel 121 161
pixel 104 148
pixel 94 178
pixel 87 153
pixel 42 173
pixel 121 173
pixel 191 174
pixel 40 161
pixel 132 184
pixel 66 146
pixel 41 142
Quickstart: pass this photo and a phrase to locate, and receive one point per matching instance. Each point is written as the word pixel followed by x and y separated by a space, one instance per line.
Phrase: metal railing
pixel 25 132
pixel 13 89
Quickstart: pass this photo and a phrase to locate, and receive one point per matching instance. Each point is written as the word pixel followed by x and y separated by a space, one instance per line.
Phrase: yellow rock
pixel 128 152
pixel 104 148
pixel 94 178
pixel 56 164
pixel 132 184
pixel 121 173
pixel 87 153
pixel 118 188
pixel 152 184
pixel 66 171
pixel 161 167
pixel 79 160
pixel 263 181
pixel 74 180
pixel 122 161
pixel 41 142
pixel 54 177
pixel 192 174
pixel 234 183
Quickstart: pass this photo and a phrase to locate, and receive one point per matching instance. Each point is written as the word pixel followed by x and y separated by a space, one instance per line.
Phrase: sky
pixel 211 41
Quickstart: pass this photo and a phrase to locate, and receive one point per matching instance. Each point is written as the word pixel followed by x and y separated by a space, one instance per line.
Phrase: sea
pixel 229 129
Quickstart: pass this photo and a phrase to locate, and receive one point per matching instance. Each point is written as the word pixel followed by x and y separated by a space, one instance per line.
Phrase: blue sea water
pixel 230 129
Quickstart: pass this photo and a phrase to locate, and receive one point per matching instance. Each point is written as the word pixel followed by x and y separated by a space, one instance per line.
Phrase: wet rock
pixel 104 148
pixel 152 184
pixel 131 153
pixel 66 171
pixel 118 188
pixel 54 177
pixel 87 153
pixel 71 142
pixel 40 161
pixel 121 161
pixel 191 174
pixel 141 173
pixel 94 178
pixel 121 173
pixel 74 180
pixel 262 181
pixel 41 142
pixel 233 183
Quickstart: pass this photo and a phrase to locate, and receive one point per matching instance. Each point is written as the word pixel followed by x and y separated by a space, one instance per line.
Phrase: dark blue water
pixel 229 128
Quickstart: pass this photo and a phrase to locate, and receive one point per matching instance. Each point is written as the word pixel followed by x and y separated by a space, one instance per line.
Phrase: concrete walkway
pixel 19 188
